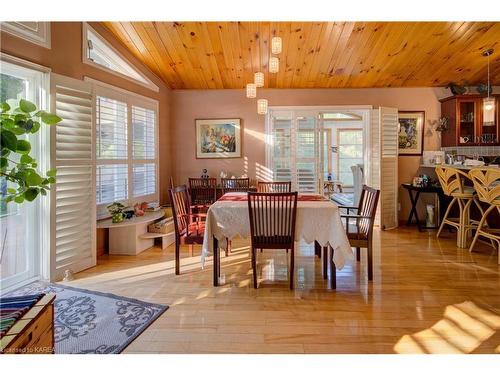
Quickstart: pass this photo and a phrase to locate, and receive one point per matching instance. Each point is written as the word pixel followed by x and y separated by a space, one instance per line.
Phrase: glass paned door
pixel 350 152
pixel 20 225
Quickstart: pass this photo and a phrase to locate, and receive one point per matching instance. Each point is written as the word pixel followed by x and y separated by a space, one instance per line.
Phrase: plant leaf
pixel 4 107
pixel 26 106
pixel 49 118
pixel 8 140
pixel 51 173
pixel 36 126
pixel 31 194
pixel 11 191
pixel 23 147
pixel 7 123
pixel 4 163
pixel 26 159
pixel 19 199
pixel 34 179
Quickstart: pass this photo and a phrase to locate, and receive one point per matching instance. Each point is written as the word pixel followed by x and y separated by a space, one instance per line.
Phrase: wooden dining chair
pixel 359 226
pixel 203 193
pixel 274 187
pixel 487 185
pixel 272 225
pixel 189 227
pixel 230 185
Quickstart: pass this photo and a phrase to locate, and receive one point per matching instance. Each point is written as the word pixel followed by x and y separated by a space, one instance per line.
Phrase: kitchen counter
pixel 458 166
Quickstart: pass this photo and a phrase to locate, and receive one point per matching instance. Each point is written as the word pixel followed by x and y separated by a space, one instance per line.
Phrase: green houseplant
pixel 18 118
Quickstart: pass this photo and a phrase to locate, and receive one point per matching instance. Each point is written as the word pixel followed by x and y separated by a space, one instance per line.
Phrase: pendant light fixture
pixel 262 106
pixel 258 79
pixel 489 102
pixel 274 65
pixel 251 90
pixel 276 45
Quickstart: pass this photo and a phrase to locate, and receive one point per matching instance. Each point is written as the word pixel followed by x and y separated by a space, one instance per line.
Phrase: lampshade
pixel 258 79
pixel 276 45
pixel 251 90
pixel 274 65
pixel 489 111
pixel 262 106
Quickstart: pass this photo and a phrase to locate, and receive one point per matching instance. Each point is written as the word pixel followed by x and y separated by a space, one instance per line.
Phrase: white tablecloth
pixel 316 221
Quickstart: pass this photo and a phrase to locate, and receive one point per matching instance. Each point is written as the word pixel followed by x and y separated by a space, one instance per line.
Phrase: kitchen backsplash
pixel 473 150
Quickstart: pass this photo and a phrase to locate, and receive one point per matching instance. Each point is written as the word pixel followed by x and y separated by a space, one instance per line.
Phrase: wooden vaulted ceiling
pixel 216 55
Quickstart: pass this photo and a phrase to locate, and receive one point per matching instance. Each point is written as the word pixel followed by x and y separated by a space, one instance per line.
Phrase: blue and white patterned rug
pixel 88 322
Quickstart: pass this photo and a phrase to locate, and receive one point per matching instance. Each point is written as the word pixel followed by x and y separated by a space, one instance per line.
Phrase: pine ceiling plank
pixel 340 51
pixel 181 65
pixel 344 65
pixel 244 38
pixel 339 54
pixel 333 43
pixel 215 40
pixel 361 58
pixel 319 51
pixel 312 33
pixel 225 37
pixel 147 32
pixel 284 30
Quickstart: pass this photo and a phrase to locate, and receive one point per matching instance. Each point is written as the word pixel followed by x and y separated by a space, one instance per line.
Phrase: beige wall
pixel 65 57
pixel 188 105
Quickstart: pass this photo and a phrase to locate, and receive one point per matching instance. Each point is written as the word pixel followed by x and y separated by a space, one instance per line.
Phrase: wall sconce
pixel 276 45
pixel 258 79
pixel 274 65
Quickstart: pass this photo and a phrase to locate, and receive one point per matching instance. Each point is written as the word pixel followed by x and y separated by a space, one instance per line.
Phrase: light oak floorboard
pixel 427 296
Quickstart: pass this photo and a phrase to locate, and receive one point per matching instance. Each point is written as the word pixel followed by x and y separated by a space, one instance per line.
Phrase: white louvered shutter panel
pixel 306 160
pixel 388 167
pixel 73 197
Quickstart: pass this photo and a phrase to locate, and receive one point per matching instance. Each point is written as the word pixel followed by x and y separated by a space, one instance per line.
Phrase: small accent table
pixel 414 193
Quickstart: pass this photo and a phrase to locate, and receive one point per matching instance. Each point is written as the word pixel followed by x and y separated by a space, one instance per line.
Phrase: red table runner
pixel 301 198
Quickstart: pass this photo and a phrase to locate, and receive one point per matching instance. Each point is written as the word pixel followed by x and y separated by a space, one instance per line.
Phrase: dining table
pixel 318 221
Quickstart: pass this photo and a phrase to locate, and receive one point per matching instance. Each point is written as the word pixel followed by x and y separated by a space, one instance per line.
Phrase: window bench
pixel 131 236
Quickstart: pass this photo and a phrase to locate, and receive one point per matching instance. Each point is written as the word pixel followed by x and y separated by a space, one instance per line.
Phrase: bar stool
pixel 452 183
pixel 487 184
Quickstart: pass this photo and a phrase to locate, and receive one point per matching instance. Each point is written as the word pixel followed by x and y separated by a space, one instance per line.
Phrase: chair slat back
pixel 451 180
pixel 179 199
pixel 368 203
pixel 487 184
pixel 235 185
pixel 203 190
pixel 274 187
pixel 272 218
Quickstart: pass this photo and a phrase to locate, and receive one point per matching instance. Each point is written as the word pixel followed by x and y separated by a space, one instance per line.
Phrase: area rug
pixel 88 322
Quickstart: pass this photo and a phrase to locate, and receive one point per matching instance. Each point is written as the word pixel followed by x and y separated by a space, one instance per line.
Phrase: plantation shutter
pixel 384 164
pixel 73 217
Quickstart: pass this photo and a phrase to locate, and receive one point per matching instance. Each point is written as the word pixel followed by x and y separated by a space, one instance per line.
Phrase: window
pixel 34 32
pixel 126 156
pixel 350 152
pixel 99 52
pixel 22 227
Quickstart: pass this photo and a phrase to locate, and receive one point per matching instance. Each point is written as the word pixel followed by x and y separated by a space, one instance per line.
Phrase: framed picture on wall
pixel 411 132
pixel 218 138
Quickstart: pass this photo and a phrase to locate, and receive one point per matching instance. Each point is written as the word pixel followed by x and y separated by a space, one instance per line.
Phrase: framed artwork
pixel 411 132
pixel 218 138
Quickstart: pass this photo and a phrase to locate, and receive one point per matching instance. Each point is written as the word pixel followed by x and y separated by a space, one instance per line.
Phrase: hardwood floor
pixel 427 296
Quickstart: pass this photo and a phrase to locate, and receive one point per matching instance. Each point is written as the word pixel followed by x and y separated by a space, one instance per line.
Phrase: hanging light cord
pixel 488 88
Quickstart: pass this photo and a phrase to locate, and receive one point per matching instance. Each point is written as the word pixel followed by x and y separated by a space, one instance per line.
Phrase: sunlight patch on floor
pixel 463 328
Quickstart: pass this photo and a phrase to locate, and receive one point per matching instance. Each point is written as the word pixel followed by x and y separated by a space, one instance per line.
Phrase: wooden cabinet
pixel 466 127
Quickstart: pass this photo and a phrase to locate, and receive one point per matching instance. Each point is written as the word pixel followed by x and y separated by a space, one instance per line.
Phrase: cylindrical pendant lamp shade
pixel 251 90
pixel 489 111
pixel 276 45
pixel 258 79
pixel 262 106
pixel 274 65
